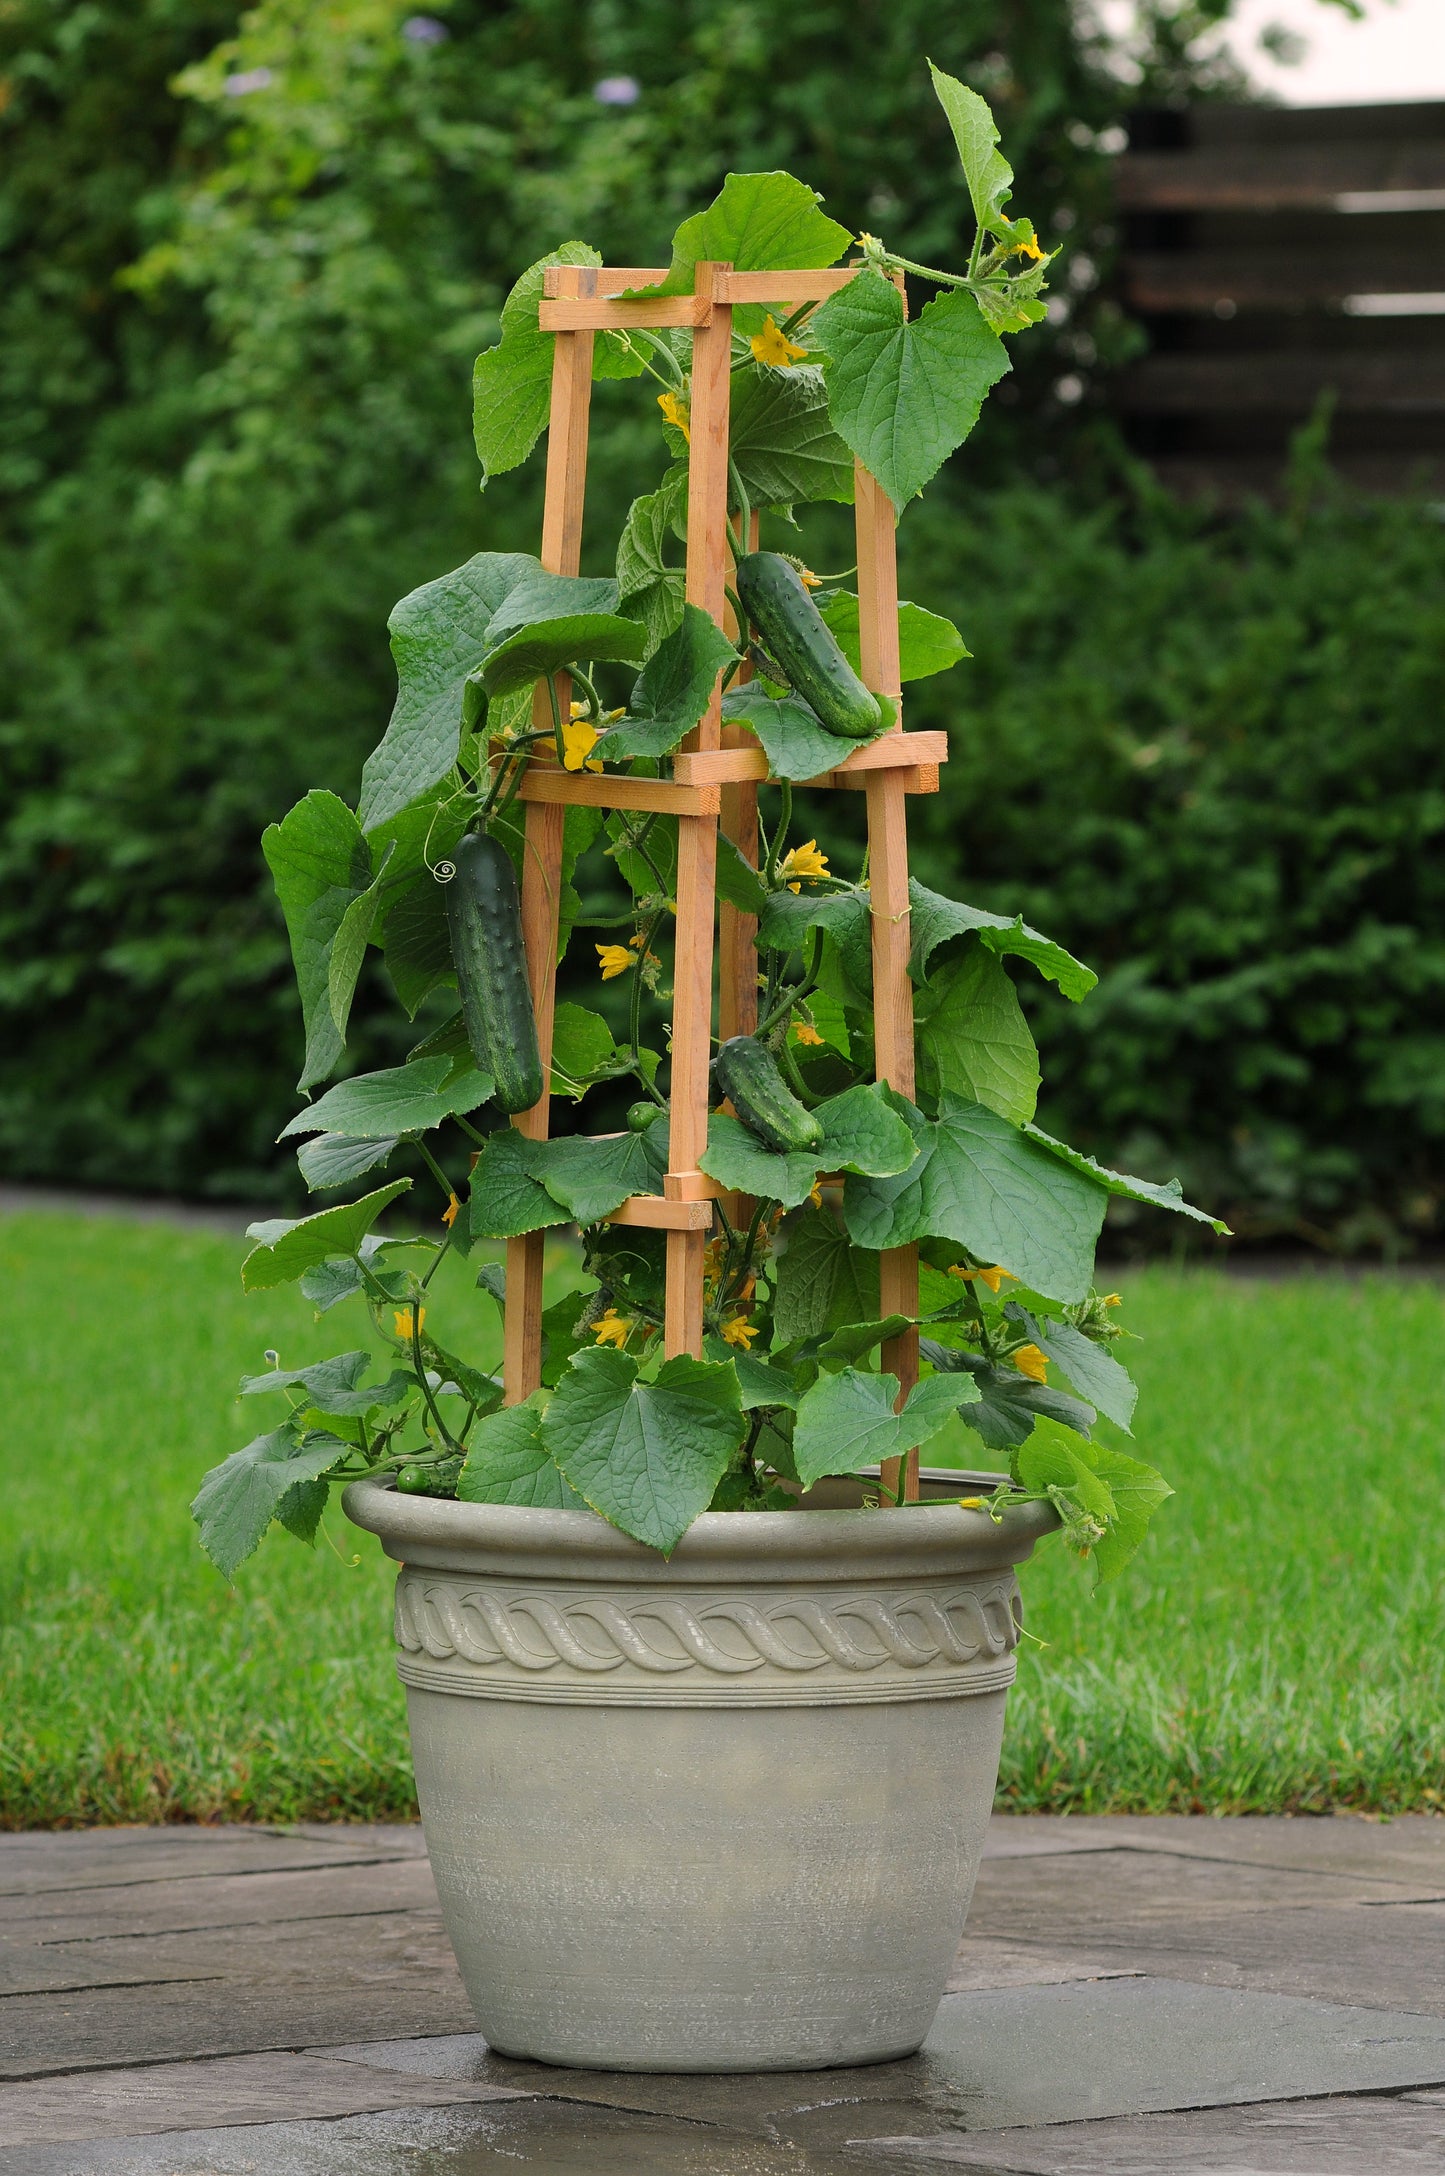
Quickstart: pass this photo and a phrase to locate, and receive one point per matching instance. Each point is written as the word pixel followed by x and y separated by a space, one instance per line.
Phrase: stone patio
pixel 1223 1998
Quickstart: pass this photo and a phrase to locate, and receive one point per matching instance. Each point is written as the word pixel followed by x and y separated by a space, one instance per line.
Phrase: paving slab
pixel 237 2089
pixel 1012 2057
pixel 1409 1848
pixel 1368 2136
pixel 536 2138
pixel 60 1861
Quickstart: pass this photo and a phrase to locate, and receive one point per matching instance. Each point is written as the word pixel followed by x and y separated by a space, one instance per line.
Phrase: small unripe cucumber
pixel 484 919
pixel 748 1076
pixel 793 631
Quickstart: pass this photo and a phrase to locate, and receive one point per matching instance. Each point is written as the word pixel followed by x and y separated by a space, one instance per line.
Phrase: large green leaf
pixel 934 919
pixel 756 223
pixel 512 382
pixel 986 1184
pixel 735 1157
pixel 334 1386
pixel 238 1499
pixel 782 439
pixel 857 1339
pixel 508 1463
pixel 824 1282
pixel 582 1045
pixel 552 620
pixel 416 943
pixel 863 1131
pixel 737 880
pixel 902 394
pixel 1009 1403
pixel 1138 1490
pixel 985 169
pixel 1115 1491
pixel 439 636
pixel 321 868
pixel 589 1177
pixel 793 737
pixel 403 1099
pixel 646 1455
pixel 285 1247
pixel 1091 1368
pixel 758 1384
pixel 333 1159
pixel 972 1039
pixel 927 643
pixel 647 586
pixel 1165 1194
pixel 505 1199
pixel 847 918
pixel 847 1421
pixel 673 689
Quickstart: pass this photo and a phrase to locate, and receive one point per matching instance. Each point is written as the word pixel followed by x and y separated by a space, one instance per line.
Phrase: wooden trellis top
pixel 714 784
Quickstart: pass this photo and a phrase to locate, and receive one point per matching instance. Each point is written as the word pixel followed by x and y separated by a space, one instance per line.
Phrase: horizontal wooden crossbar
pixel 781 286
pixel 593 789
pixel 612 308
pixel 659 1215
pixel 608 313
pixel 731 766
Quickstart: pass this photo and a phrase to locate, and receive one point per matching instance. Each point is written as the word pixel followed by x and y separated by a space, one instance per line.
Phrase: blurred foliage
pixel 244 282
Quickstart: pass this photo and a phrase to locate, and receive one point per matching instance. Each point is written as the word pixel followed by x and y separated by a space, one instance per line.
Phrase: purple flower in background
pixel 249 79
pixel 424 30
pixel 617 91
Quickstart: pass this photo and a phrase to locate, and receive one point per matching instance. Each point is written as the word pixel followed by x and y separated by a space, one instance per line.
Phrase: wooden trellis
pixel 715 780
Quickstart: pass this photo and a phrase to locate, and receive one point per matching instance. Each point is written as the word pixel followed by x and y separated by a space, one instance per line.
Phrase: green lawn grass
pixel 1277 1645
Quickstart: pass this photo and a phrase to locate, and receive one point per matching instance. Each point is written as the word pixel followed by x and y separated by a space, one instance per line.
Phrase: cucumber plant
pixel 834 1166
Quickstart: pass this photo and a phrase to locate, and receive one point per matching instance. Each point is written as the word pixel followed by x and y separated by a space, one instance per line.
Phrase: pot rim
pixel 720 1547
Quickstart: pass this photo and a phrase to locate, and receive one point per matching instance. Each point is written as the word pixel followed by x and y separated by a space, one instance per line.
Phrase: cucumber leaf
pixel 505 1200
pixel 1091 1368
pixel 647 586
pixel 735 1157
pixel 985 169
pixel 287 1246
pixel 738 881
pixel 758 1384
pixel 238 1499
pixel 972 1039
pixel 321 868
pixel 846 1421
pixel 1009 1403
pixel 334 1159
pixel 857 1339
pixel 782 439
pixel 439 636
pixel 407 1098
pixel 756 223
pixel 903 394
pixel 863 1131
pixel 986 1183
pixel 934 919
pixel 794 738
pixel 590 1177
pixel 1165 1194
pixel 824 1282
pixel 549 621
pixel 847 919
pixel 512 382
pixel 646 1455
pixel 415 941
pixel 582 1046
pixel 334 1386
pixel 672 691
pixel 927 643
pixel 508 1463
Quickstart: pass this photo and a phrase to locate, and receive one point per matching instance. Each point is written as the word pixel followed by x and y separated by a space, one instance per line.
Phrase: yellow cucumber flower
pixel 675 411
pixel 802 1033
pixel 401 1316
pixel 993 1278
pixel 809 579
pixel 612 1329
pixel 740 1332
pixel 449 1214
pixel 1027 249
pixel 579 738
pixel 615 959
pixel 1031 1362
pixel 772 345
pixel 1112 1299
pixel 801 864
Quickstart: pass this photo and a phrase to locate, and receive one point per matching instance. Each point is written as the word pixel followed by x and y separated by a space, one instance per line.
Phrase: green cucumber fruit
pixel 484 920
pixel 793 631
pixel 748 1076
pixel 642 1115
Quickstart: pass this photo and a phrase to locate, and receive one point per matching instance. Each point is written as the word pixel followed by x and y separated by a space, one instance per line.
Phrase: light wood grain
pixel 610 314
pixel 544 782
pixel 561 553
pixel 657 1214
pixel 743 759
pixel 682 1324
pixel 782 286
pixel 612 279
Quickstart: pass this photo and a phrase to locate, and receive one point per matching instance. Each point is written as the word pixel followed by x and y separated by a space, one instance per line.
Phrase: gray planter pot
pixel 722 1813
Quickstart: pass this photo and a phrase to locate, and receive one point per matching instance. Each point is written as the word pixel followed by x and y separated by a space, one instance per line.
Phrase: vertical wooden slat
pixel 707 565
pixel 542 862
pixel 888 888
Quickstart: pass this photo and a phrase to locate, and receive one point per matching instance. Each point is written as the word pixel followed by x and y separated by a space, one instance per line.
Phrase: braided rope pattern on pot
pixel 444 1619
